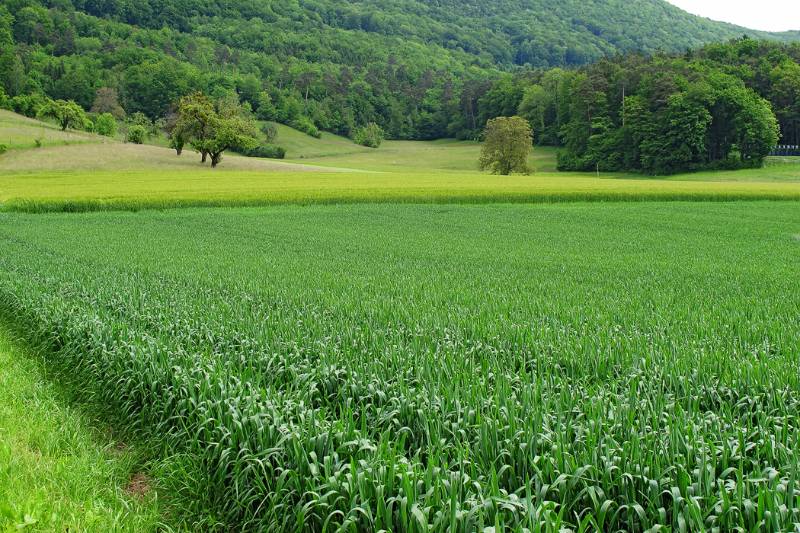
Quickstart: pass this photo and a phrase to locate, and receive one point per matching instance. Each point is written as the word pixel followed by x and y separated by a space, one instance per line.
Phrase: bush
pixel 5 101
pixel 3 149
pixel 270 132
pixel 305 125
pixel 370 135
pixel 269 151
pixel 29 104
pixel 105 124
pixel 136 134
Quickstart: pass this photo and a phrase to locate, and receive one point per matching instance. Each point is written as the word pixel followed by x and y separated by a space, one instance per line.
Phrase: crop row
pixel 432 368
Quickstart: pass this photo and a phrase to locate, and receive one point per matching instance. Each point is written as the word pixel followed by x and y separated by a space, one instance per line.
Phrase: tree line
pixel 662 113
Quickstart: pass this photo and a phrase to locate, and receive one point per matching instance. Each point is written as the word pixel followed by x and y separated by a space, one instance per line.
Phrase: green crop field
pixel 437 367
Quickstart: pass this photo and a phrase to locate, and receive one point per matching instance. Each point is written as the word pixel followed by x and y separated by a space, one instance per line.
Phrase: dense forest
pixel 419 69
pixel 723 106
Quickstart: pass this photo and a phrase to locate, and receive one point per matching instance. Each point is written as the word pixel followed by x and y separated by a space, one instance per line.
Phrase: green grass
pixel 57 472
pixel 109 175
pixel 431 368
pixel 445 155
pixel 18 132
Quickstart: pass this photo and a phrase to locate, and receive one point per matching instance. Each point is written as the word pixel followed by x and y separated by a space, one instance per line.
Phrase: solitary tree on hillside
pixel 507 144
pixel 68 114
pixel 212 128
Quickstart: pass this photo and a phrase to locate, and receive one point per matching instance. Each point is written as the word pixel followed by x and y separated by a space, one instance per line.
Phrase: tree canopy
pixel 212 128
pixel 507 145
pixel 419 69
pixel 68 114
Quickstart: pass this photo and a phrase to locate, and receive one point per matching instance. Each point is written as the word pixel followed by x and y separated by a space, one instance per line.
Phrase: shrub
pixel 269 151
pixel 106 125
pixel 370 135
pixel 5 101
pixel 305 125
pixel 136 134
pixel 3 149
pixel 28 104
pixel 270 132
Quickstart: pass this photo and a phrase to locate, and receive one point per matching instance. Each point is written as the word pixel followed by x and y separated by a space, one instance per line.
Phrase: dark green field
pixel 419 368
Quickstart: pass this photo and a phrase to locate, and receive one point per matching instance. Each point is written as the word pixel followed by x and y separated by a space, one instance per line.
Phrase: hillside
pixel 409 65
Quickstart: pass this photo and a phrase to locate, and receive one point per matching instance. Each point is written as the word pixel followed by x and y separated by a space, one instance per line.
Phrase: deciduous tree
pixel 67 113
pixel 507 143
pixel 212 128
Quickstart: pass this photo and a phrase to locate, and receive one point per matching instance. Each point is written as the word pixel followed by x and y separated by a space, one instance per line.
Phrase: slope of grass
pixel 57 473
pixel 18 132
pixel 432 368
pixel 110 156
pixel 392 156
pixel 298 145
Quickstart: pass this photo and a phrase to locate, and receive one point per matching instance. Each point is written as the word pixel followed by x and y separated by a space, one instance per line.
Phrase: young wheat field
pixel 436 367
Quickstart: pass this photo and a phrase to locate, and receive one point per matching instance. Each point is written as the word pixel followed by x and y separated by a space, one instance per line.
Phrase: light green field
pixel 420 368
pixel 57 473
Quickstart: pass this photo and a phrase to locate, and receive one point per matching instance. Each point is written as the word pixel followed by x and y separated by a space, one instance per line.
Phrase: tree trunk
pixel 205 156
pixel 215 158
pixel 179 150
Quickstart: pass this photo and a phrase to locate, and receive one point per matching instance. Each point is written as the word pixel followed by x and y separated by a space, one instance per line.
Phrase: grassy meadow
pixel 108 174
pixel 390 340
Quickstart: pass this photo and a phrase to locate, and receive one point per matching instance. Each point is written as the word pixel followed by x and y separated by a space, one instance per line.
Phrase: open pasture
pixel 419 368
pixel 104 174
pixel 18 132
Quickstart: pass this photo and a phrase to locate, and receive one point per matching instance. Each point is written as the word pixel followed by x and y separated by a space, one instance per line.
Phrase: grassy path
pixel 56 472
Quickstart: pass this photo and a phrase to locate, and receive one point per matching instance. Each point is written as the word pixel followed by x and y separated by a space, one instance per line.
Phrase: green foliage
pixel 136 134
pixel 659 115
pixel 106 125
pixel 270 132
pixel 370 135
pixel 61 472
pixel 421 69
pixel 304 124
pixel 507 144
pixel 381 367
pixel 213 127
pixel 28 105
pixel 67 114
pixel 3 148
pixel 269 151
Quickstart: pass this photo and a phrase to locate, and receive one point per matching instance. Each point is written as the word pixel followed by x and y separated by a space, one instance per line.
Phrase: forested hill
pixel 503 32
pixel 420 69
pixel 535 32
